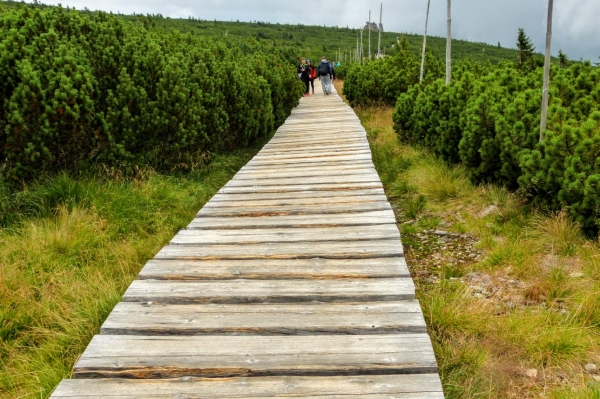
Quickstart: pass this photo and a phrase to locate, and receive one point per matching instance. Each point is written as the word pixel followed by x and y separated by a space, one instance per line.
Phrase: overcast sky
pixel 576 27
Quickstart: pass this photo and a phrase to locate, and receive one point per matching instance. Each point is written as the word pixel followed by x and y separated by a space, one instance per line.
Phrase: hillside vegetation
pixel 315 41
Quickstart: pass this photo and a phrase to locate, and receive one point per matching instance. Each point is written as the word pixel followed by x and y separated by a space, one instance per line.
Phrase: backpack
pixel 313 73
pixel 323 69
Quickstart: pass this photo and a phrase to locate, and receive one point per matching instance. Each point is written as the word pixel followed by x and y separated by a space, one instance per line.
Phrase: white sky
pixel 576 22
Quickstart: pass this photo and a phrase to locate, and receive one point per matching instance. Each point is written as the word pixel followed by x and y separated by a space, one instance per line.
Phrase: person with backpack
pixel 312 75
pixel 325 73
pixel 303 74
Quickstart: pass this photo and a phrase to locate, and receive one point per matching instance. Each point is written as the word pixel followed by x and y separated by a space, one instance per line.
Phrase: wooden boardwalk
pixel 290 282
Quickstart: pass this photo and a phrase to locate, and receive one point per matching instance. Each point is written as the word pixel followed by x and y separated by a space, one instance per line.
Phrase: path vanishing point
pixel 290 282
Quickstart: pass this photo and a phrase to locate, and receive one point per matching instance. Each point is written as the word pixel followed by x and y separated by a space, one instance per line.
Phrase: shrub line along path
pixel 290 282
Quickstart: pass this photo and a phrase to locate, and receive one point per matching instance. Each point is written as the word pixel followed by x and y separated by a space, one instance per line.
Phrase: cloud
pixel 490 21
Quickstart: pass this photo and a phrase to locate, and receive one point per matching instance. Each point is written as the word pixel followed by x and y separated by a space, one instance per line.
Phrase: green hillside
pixel 315 41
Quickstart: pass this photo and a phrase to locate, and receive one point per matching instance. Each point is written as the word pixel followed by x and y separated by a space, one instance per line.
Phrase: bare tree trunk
pixel 362 49
pixel 424 42
pixel 380 28
pixel 369 34
pixel 449 44
pixel 545 94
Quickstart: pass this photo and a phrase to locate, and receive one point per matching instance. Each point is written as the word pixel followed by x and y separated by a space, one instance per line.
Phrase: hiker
pixel 312 75
pixel 325 73
pixel 303 74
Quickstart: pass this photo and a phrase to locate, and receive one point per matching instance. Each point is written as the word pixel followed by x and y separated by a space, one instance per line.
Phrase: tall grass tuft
pixel 440 181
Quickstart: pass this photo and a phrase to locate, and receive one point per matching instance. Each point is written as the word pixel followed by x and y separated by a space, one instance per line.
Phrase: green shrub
pixel 79 89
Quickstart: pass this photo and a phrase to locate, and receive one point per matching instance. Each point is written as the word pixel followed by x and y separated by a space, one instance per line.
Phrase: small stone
pixel 441 233
pixel 591 368
pixel 479 296
pixel 490 210
pixel 596 378
pixel 531 373
pixel 576 275
pixel 472 276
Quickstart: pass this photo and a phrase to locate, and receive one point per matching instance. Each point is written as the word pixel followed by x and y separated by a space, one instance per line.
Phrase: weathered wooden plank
pixel 360 168
pixel 265 319
pixel 301 180
pixel 249 202
pixel 298 195
pixel 313 148
pixel 317 166
pixel 285 250
pixel 296 142
pixel 272 291
pixel 347 137
pixel 342 219
pixel 275 269
pixel 415 386
pixel 296 209
pixel 365 153
pixel 313 181
pixel 299 187
pixel 133 356
pixel 300 234
pixel 326 158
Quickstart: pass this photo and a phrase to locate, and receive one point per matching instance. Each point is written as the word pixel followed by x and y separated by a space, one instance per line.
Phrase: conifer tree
pixel 525 49
pixel 563 60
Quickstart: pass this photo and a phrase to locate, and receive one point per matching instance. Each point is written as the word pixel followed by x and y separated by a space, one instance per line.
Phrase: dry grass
pixel 521 320
pixel 69 253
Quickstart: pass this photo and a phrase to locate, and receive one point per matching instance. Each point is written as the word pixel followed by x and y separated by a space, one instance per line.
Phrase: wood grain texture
pixel 296 209
pixel 271 291
pixel 275 269
pixel 278 197
pixel 154 357
pixel 284 221
pixel 265 319
pixel 389 248
pixel 299 234
pixel 250 201
pixel 424 386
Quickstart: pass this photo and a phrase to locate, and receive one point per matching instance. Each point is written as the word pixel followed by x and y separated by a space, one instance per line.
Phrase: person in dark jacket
pixel 325 72
pixel 303 74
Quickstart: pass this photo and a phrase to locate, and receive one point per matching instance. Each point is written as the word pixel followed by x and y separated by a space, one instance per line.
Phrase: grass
pixel 512 298
pixel 69 247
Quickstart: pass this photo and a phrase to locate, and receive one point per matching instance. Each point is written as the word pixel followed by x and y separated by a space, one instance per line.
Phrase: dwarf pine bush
pixel 488 119
pixel 78 89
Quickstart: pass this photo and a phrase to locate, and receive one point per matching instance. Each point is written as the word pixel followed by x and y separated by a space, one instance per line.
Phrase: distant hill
pixel 315 41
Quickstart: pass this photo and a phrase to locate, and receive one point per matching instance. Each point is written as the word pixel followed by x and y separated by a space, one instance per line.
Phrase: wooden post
pixel 449 44
pixel 545 93
pixel 369 34
pixel 362 49
pixel 424 43
pixel 380 26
